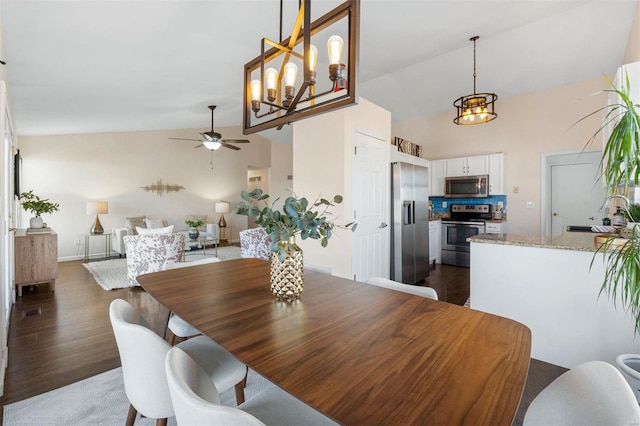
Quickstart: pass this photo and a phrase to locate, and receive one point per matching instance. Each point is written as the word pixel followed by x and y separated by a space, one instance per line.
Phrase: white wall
pixel 73 169
pixel 527 126
pixel 322 166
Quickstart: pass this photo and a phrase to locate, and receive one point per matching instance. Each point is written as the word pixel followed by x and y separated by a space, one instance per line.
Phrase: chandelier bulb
pixel 256 93
pixel 313 57
pixel 271 81
pixel 335 45
pixel 290 74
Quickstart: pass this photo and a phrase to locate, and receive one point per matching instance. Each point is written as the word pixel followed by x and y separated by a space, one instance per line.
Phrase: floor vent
pixel 31 312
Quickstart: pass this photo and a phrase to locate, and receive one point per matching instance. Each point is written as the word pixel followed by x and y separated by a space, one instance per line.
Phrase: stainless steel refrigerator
pixel 410 219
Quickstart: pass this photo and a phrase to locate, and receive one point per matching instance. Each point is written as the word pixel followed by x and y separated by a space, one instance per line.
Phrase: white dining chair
pixel 406 288
pixel 153 253
pixel 593 393
pixel 177 327
pixel 197 402
pixel 143 353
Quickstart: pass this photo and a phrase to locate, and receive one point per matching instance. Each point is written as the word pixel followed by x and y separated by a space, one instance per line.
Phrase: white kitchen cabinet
pixel 496 174
pixel 467 166
pixel 495 227
pixel 437 174
pixel 435 246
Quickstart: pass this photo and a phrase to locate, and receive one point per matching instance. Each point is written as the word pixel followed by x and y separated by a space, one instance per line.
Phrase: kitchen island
pixel 546 283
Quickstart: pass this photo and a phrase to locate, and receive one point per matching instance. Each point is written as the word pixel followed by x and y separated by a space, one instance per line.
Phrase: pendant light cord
pixel 474 62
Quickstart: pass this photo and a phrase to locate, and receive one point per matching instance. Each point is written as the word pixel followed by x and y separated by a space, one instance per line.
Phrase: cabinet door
pixel 432 242
pixel 496 174
pixel 478 165
pixel 456 167
pixel 437 178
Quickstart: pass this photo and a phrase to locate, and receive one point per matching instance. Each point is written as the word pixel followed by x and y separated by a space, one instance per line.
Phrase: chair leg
pixel 131 415
pixel 244 381
pixel 161 422
pixel 172 338
pixel 239 393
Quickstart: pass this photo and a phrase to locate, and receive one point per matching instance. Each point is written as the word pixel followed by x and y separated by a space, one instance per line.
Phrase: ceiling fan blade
pixel 182 139
pixel 231 146
pixel 199 146
pixel 236 140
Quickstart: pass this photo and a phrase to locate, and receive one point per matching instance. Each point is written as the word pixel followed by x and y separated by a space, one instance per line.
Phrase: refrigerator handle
pixel 413 207
pixel 406 213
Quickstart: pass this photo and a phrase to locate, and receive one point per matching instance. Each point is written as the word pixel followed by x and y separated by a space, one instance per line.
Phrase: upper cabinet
pixel 492 165
pixel 496 174
pixel 437 173
pixel 467 166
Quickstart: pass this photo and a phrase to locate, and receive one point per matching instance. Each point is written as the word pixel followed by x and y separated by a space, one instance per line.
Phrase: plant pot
pixel 193 234
pixel 287 276
pixel 36 222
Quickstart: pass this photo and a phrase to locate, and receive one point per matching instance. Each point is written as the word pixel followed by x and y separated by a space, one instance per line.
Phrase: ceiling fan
pixel 213 140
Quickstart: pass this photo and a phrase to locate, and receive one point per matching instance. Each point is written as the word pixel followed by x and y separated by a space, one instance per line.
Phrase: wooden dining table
pixel 358 353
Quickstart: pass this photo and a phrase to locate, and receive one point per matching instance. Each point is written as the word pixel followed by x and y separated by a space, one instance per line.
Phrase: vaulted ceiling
pixel 106 66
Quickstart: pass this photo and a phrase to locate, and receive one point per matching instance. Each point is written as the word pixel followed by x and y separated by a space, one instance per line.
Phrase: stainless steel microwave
pixel 467 187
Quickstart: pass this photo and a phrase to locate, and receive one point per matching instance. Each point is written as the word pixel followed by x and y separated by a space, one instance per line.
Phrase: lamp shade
pixel 222 207
pixel 97 207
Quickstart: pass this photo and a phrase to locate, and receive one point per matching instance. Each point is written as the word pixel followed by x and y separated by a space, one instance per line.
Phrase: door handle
pixel 592 218
pixel 383 225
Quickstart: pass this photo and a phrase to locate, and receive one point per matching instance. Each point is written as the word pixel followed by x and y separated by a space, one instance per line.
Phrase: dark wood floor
pixel 60 338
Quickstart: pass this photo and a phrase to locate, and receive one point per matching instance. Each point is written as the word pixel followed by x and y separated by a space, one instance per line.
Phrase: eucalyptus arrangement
pixel 36 205
pixel 298 217
pixel 621 168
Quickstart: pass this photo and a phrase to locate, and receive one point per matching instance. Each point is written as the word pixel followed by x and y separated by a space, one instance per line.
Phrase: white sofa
pixel 211 232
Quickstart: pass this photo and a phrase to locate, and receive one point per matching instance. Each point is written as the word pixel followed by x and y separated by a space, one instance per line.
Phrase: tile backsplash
pixel 493 200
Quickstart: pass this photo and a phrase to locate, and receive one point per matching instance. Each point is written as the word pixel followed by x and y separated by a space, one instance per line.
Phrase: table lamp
pixel 222 208
pixel 97 208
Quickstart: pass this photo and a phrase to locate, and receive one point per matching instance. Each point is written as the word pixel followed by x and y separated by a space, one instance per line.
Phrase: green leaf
pixel 337 199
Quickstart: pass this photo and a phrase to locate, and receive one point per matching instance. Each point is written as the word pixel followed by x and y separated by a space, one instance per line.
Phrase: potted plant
pixel 632 214
pixel 193 225
pixel 298 217
pixel 621 168
pixel 34 204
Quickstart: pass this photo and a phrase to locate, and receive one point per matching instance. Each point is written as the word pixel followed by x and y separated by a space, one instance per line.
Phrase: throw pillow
pixel 131 223
pixel 153 223
pixel 145 231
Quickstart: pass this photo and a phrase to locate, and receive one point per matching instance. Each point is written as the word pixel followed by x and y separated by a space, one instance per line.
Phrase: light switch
pixel 531 204
pixel 516 189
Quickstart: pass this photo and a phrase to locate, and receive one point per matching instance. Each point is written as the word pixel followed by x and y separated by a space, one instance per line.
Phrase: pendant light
pixel 478 108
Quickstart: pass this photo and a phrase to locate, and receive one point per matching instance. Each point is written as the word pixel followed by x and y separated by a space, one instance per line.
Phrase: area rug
pixel 98 400
pixel 112 274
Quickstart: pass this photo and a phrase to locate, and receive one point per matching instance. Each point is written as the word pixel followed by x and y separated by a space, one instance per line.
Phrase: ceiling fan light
pixel 213 146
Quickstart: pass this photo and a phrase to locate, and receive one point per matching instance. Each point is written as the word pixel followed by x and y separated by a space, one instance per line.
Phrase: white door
pixel 371 205
pixel 6 234
pixel 576 192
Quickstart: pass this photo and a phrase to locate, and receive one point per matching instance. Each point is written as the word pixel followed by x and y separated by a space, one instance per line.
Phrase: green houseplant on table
pixel 298 217
pixel 621 168
pixel 36 205
pixel 193 225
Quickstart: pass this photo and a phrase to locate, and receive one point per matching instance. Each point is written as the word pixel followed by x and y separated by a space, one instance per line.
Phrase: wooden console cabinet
pixel 36 259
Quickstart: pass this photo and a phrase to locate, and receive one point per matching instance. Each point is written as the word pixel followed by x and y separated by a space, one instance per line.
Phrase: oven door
pixel 455 234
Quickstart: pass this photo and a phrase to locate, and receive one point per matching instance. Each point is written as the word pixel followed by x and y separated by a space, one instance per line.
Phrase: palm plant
pixel 621 166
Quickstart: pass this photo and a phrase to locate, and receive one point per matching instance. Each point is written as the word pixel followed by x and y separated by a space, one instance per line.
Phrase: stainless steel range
pixel 466 220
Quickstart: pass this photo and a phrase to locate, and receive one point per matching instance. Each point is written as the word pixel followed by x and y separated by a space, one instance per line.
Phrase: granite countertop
pixel 579 241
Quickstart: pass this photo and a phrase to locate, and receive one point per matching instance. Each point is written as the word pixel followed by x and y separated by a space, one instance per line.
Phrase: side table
pixel 107 245
pixel 226 232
